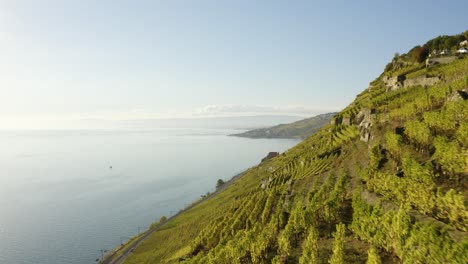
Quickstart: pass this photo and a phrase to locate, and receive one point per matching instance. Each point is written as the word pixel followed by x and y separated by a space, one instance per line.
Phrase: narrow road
pixel 113 259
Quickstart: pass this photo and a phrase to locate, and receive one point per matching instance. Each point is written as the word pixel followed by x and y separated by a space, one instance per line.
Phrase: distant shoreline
pixel 297 130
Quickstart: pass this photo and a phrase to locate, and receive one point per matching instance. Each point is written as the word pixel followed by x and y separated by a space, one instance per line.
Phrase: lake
pixel 67 194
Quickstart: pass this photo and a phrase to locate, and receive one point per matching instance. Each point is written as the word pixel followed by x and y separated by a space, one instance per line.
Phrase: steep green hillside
pixel 385 183
pixel 299 129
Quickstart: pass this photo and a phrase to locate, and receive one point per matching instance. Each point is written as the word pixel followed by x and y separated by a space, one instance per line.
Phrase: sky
pixel 115 60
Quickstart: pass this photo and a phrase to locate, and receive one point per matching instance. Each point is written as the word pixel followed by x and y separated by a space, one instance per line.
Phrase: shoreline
pixel 113 257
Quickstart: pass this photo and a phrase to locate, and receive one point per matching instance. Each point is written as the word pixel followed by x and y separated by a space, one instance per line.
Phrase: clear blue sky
pixel 140 59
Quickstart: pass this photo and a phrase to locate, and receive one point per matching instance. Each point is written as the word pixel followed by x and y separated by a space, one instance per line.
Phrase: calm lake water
pixel 60 202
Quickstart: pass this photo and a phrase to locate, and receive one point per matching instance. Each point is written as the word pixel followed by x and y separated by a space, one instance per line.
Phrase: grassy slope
pixel 403 194
pixel 299 129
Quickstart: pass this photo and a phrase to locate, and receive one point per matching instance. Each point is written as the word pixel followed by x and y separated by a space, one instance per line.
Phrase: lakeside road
pixel 115 258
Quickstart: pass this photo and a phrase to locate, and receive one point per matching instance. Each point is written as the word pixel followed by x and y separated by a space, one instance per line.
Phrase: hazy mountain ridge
pixel 384 182
pixel 228 122
pixel 299 129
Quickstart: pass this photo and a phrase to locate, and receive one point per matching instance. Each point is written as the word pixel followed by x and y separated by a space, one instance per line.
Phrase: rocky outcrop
pixel 440 60
pixel 346 121
pixel 336 120
pixel 341 121
pixel 421 80
pixel 364 121
pixel 393 83
pixel 264 183
pixel 398 82
pixel 458 95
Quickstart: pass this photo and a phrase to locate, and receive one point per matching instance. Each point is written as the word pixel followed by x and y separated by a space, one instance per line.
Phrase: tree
pixel 450 42
pixel 162 219
pixel 219 183
pixel 338 246
pixel 418 53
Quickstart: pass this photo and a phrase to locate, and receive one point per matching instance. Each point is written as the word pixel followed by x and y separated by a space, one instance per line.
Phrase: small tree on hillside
pixel 219 183
pixel 419 54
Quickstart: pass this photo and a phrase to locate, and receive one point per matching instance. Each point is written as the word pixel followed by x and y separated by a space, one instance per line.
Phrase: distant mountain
pixel 299 129
pixel 231 122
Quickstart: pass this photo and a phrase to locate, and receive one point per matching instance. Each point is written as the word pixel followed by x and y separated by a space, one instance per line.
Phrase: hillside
pixel 299 129
pixel 385 182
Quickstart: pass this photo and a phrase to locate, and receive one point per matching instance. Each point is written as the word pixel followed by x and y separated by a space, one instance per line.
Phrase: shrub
pixel 219 183
pixel 338 246
pixel 419 54
pixel 418 132
pixel 310 251
pixel 373 257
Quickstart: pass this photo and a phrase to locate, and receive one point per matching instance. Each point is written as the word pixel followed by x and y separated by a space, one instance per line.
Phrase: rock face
pixel 398 82
pixel 336 120
pixel 341 121
pixel 393 83
pixel 458 95
pixel 364 121
pixel 422 80
pixel 346 121
pixel 264 183
pixel 440 60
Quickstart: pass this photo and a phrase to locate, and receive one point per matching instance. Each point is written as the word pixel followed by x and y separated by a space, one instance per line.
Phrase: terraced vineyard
pixel 399 196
